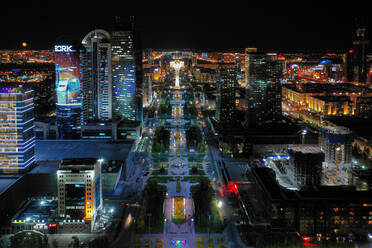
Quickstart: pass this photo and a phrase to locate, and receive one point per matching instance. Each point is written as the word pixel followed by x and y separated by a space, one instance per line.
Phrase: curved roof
pixel 100 33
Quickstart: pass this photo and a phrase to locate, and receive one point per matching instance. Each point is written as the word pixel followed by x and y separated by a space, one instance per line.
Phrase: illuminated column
pixel 177 65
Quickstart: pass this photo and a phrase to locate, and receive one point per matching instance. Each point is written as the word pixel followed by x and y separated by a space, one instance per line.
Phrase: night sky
pixel 200 26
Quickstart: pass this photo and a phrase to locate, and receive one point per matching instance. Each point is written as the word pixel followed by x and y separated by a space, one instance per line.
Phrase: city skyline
pixel 185 128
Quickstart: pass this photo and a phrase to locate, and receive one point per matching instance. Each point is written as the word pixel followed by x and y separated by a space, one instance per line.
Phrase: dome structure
pixel 97 33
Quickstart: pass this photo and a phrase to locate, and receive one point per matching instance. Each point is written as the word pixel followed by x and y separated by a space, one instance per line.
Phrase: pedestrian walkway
pixel 186 241
pixel 179 162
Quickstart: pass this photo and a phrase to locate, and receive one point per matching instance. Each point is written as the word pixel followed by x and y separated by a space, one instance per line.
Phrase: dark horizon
pixel 283 28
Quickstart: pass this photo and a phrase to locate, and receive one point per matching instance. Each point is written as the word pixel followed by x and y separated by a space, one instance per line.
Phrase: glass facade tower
pixel 68 90
pixel 124 75
pixel 225 92
pixel 16 129
pixel 263 92
pixel 96 77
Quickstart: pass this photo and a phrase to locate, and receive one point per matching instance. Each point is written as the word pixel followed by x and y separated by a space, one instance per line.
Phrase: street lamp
pixel 219 204
pixel 209 224
pixel 304 132
pixel 338 149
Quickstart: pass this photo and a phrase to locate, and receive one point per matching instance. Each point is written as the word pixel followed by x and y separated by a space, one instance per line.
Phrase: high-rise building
pixel 263 72
pixel 147 91
pixel 337 145
pixel 96 77
pixel 17 129
pixel 305 165
pixel 225 92
pixel 273 108
pixel 124 71
pixel 79 188
pixel 139 72
pixel 68 90
pixel 357 65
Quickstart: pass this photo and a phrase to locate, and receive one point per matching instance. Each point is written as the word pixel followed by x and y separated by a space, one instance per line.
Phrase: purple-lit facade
pixel 17 138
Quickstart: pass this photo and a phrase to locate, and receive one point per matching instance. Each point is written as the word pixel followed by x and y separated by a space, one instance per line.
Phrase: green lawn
pixel 197 160
pixel 192 179
pixel 198 172
pixel 178 221
pixel 197 155
pixel 161 179
pixel 159 160
pixel 158 172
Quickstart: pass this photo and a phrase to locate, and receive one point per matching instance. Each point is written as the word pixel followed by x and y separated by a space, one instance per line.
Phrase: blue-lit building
pixel 17 138
pixel 96 77
pixel 124 75
pixel 68 90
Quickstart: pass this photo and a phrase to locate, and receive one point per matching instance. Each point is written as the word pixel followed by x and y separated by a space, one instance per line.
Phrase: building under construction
pixel 336 143
pixel 305 165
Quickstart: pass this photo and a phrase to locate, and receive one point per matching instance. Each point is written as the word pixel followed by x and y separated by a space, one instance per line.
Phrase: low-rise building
pixel 37 214
pixel 79 192
pixel 322 211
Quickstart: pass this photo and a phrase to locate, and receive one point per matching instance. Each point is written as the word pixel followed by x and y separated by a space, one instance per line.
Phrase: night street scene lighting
pixel 189 128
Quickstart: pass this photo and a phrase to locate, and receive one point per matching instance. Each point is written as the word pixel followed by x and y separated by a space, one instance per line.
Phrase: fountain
pixel 177 65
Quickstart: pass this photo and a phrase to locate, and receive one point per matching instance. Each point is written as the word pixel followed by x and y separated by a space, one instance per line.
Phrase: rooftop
pixel 57 150
pixel 7 181
pixel 79 161
pixel 36 210
pixel 305 149
pixel 13 89
pixel 330 88
pixel 334 98
pixel 337 129
pixel 275 192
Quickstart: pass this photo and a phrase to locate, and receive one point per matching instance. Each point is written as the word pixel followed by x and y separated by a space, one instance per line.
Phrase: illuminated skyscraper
pixel 96 77
pixel 225 92
pixel 263 74
pixel 147 91
pixel 79 188
pixel 16 129
pixel 124 72
pixel 357 65
pixel 68 90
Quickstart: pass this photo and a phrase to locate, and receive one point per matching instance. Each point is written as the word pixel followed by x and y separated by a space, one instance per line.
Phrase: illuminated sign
pixel 63 48
pixel 325 62
pixel 68 83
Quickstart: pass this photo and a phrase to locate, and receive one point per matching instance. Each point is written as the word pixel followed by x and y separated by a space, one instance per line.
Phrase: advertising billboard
pixel 67 76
